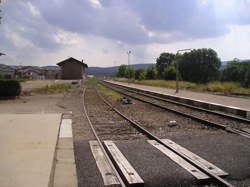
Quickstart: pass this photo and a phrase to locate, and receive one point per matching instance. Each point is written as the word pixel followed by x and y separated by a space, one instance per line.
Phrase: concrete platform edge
pixel 52 173
pixel 199 103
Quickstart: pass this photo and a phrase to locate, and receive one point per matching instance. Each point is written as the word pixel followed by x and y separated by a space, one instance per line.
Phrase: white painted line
pixel 180 161
pixel 105 169
pixel 66 128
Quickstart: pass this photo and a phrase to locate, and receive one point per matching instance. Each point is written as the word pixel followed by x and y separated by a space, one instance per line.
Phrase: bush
pixel 140 74
pixel 151 73
pixel 169 73
pixel 9 88
pixel 246 82
pixel 236 71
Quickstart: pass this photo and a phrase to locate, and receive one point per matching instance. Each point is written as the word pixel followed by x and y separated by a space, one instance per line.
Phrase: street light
pixel 128 53
pixel 177 69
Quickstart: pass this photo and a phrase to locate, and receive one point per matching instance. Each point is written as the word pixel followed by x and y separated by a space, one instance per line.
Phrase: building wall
pixel 72 70
pixel 53 74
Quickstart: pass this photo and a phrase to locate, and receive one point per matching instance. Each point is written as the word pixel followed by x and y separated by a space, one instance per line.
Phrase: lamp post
pixel 128 53
pixel 177 69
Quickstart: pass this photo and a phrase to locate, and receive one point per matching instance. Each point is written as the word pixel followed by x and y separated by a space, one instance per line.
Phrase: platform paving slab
pixel 28 143
pixel 65 168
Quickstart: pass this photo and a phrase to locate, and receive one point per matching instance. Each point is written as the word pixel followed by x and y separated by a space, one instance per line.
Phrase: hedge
pixel 9 88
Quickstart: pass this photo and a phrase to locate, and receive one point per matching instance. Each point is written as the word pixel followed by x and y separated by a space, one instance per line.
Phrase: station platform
pixel 28 148
pixel 231 104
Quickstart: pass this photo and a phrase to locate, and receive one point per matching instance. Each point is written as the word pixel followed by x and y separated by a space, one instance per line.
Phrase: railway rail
pixel 219 120
pixel 138 126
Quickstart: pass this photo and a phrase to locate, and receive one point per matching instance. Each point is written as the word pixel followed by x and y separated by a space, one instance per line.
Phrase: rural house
pixel 29 72
pixel 72 69
pixel 7 72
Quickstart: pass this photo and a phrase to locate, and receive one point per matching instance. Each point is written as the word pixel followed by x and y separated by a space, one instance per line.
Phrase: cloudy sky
pixel 44 32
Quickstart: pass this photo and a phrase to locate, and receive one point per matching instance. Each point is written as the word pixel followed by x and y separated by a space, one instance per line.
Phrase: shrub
pixel 237 72
pixel 246 82
pixel 140 74
pixel 151 73
pixel 169 73
pixel 9 88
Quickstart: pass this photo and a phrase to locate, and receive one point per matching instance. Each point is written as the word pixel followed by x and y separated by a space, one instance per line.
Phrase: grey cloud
pixel 185 17
pixel 123 20
pixel 19 20
pixel 114 20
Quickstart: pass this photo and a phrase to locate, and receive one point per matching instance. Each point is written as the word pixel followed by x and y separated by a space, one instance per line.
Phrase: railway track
pixel 219 120
pixel 170 146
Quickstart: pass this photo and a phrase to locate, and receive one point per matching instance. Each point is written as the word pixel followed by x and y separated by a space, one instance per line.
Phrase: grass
pixel 94 80
pixel 110 93
pixel 55 88
pixel 222 87
pixel 19 80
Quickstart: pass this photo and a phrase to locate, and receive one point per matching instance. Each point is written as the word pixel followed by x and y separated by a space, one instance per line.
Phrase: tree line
pixel 198 66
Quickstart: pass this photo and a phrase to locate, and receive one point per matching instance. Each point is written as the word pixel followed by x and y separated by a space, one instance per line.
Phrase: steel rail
pixel 100 143
pixel 245 120
pixel 206 122
pixel 150 135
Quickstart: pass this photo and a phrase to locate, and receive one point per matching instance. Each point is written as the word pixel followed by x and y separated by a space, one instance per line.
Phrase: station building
pixel 72 69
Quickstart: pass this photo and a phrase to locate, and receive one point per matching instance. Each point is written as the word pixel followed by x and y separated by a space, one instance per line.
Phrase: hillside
pixel 110 71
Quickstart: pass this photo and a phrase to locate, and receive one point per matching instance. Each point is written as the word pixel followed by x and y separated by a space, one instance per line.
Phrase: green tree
pixel 122 71
pixel 237 71
pixel 231 72
pixel 169 73
pixel 201 65
pixel 246 82
pixel 151 73
pixel 130 73
pixel 164 60
pixel 140 74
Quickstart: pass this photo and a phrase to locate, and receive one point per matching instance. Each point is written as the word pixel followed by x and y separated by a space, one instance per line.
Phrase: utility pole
pixel 0 11
pixel 128 53
pixel 177 69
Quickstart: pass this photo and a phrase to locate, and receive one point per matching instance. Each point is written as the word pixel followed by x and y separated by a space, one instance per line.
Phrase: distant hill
pixel 111 71
pixel 224 63
pixel 51 67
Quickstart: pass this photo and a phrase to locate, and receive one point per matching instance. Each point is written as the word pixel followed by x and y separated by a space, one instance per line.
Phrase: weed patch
pixel 110 93
pixel 55 88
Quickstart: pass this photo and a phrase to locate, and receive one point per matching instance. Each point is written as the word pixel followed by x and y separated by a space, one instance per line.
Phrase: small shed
pixel 72 69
